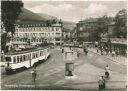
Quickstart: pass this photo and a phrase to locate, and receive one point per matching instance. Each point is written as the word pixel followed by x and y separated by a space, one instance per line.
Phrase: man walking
pixel 34 74
pixel 101 83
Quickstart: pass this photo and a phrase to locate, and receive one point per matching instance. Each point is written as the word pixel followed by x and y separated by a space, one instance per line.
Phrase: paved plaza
pixel 51 74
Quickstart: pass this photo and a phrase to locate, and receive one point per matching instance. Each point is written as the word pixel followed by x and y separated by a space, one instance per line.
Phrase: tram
pixel 25 59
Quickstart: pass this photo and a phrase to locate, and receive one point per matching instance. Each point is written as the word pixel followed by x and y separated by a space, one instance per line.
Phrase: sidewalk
pixel 118 59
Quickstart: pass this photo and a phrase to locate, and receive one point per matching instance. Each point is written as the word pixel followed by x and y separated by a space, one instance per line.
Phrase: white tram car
pixel 25 59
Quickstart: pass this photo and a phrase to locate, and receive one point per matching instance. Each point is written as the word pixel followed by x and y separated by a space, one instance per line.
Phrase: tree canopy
pixel 10 11
pixel 121 23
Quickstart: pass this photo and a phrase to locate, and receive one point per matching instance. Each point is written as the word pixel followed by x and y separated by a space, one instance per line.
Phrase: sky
pixel 75 10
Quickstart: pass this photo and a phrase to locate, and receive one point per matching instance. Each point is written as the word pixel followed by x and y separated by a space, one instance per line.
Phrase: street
pixel 51 74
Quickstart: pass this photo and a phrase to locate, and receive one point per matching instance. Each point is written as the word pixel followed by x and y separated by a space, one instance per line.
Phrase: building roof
pixel 37 25
pixel 25 51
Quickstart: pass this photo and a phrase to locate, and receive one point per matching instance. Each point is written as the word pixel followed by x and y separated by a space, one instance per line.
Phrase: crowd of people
pixel 106 51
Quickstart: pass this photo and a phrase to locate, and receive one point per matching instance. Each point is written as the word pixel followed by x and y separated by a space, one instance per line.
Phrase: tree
pixel 10 11
pixel 100 26
pixel 121 23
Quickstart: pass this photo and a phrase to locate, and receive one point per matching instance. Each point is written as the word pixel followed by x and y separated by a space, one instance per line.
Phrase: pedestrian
pixel 97 50
pixel 104 84
pixel 78 54
pixel 106 51
pixel 101 51
pixel 107 71
pixel 100 82
pixel 34 74
pixel 113 53
pixel 107 68
pixel 116 53
pixel 62 50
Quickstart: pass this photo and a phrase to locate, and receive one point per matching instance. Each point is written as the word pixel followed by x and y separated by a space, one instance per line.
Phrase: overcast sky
pixel 75 10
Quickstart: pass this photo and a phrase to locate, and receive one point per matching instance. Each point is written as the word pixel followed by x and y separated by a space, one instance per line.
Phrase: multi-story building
pixel 66 34
pixel 111 27
pixel 116 44
pixel 84 28
pixel 34 34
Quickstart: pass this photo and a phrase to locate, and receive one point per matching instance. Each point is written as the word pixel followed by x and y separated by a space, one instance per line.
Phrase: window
pixel 24 58
pixel 21 58
pixel 8 59
pixel 40 40
pixel 36 55
pixel 17 59
pixel 57 39
pixel 57 33
pixel 14 59
pixel 32 55
pixel 40 53
pixel 28 56
pixel 52 29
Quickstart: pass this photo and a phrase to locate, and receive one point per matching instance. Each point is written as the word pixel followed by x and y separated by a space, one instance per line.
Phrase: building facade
pixel 34 34
pixel 111 27
pixel 85 28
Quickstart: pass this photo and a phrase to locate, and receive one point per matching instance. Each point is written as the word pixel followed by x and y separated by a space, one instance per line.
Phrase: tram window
pixel 40 53
pixel 17 59
pixel 33 55
pixel 24 58
pixel 36 54
pixel 30 56
pixel 8 59
pixel 20 58
pixel 14 59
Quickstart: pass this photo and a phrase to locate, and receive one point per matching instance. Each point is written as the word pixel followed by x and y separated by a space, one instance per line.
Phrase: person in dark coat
pixel 78 54
pixel 101 83
pixel 34 74
pixel 104 85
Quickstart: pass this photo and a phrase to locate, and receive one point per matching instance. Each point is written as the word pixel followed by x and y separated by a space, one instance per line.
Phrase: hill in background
pixel 28 16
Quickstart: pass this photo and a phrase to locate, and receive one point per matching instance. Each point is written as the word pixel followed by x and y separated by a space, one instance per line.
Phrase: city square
pixel 48 53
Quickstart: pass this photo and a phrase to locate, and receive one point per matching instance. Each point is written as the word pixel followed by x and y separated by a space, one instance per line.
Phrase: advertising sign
pixel 69 67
